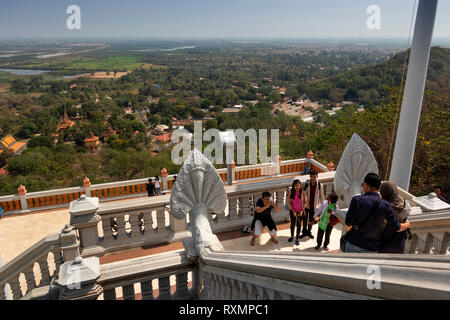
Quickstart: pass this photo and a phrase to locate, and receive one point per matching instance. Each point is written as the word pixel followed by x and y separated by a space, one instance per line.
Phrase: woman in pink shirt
pixel 296 204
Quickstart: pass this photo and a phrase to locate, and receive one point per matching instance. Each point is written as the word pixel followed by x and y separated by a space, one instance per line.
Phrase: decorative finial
pixel 330 166
pixel 310 154
pixel 86 182
pixel 163 172
pixel 21 190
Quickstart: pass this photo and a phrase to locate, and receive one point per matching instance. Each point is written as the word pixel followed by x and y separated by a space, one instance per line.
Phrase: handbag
pixel 344 238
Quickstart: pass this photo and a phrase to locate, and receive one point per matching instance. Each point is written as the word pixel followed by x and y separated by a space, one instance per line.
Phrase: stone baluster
pixel 425 240
pixel 411 245
pixel 228 288
pixel 242 291
pixel 58 258
pixel 107 230
pixel 260 293
pixel 206 292
pixel 164 288
pixel 220 217
pixel 250 291
pixel 147 290
pixel 161 221
pixel 212 287
pixel 181 285
pixel 2 292
pixel 244 210
pixel 441 242
pixel 109 294
pixel 270 294
pixel 148 221
pixel 128 292
pixel 219 287
pixel 121 233
pixel 45 271
pixel 29 277
pixel 134 223
pixel 232 208
pixel 234 288
pixel 14 283
pixel 279 201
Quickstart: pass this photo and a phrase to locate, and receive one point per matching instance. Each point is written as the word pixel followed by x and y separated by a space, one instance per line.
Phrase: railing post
pixel 78 279
pixel 165 186
pixel 87 186
pixel 69 243
pixel 22 191
pixel 84 217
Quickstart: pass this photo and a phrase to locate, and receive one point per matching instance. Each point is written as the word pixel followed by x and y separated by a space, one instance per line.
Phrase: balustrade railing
pixel 286 276
pixel 58 198
pixel 159 277
pixel 33 268
pixel 36 266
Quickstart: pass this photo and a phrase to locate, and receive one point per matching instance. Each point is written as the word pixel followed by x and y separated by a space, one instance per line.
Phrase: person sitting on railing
pixel 392 241
pixel 263 217
pixel 296 204
pixel 365 216
pixel 326 219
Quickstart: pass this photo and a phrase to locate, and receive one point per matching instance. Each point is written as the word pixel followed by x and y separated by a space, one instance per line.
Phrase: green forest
pixel 198 84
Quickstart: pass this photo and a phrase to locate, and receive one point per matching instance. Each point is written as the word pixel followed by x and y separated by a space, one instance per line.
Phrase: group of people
pixel 303 203
pixel 153 187
pixel 376 220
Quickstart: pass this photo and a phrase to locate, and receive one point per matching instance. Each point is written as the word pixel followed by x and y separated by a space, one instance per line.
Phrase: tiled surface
pixel 18 233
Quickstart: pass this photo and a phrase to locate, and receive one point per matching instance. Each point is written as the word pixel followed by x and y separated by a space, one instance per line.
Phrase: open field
pixel 118 63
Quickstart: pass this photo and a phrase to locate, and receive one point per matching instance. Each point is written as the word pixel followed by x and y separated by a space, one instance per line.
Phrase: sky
pixel 213 19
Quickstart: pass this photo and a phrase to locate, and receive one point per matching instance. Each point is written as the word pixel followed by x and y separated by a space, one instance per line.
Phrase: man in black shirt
pixel 263 218
pixel 366 231
pixel 151 190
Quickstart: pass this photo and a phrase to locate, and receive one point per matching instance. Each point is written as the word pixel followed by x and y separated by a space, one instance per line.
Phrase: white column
pixel 412 99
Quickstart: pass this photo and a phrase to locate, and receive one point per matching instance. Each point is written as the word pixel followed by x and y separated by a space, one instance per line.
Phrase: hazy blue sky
pixel 191 19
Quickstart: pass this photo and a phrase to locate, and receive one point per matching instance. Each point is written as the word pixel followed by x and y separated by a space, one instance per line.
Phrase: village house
pixel 9 143
pixel 92 143
pixel 65 123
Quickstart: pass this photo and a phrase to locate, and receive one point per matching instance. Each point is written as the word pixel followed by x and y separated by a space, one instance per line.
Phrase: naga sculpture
pixel 355 163
pixel 198 190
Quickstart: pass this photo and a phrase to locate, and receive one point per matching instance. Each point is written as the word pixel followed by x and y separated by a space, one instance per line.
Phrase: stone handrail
pixel 252 276
pixel 25 263
pixel 431 233
pixel 58 198
pixel 141 272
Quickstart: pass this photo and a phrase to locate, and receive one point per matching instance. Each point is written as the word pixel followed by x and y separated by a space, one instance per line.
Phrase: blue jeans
pixel 352 248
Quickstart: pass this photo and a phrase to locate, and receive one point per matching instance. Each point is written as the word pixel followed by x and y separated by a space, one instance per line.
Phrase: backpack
pixel 307 184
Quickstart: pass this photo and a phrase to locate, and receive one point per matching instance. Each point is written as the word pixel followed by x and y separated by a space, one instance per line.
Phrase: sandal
pixel 252 242
pixel 274 240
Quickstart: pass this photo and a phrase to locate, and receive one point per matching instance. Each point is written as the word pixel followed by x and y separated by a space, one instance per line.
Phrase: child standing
pixel 326 218
pixel 296 203
pixel 157 186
